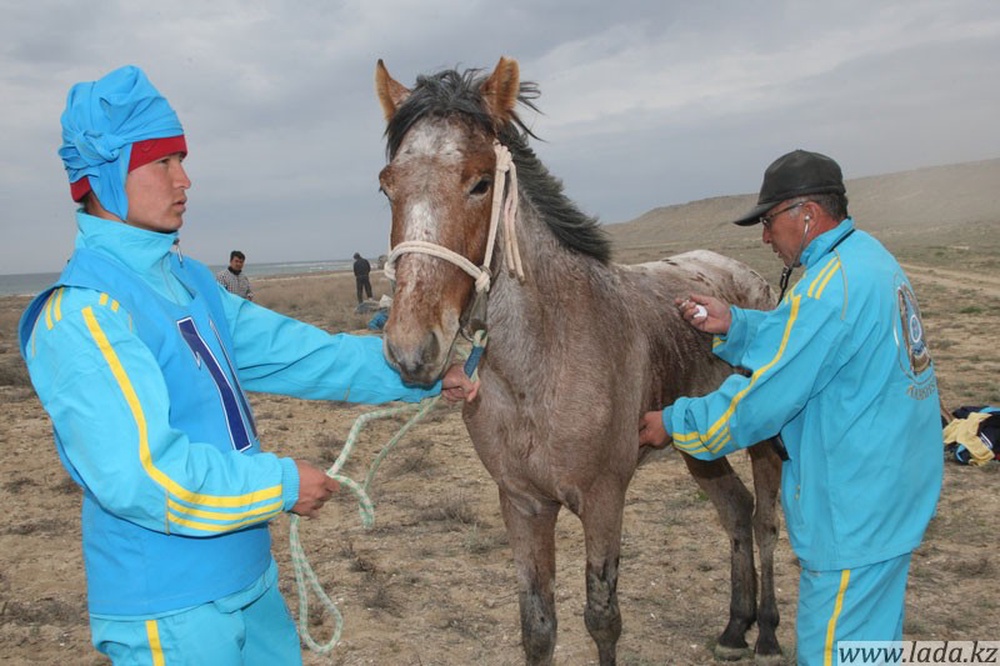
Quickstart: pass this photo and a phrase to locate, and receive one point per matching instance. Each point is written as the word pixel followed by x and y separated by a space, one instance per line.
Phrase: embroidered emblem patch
pixel 915 357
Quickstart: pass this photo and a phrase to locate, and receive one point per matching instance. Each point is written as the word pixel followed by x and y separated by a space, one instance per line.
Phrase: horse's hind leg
pixel 734 504
pixel 601 515
pixel 766 482
pixel 532 541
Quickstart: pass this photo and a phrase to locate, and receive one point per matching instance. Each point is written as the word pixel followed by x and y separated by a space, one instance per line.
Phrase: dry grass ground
pixel 431 583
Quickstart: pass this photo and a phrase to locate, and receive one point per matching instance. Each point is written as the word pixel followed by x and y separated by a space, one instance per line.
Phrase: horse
pixel 571 347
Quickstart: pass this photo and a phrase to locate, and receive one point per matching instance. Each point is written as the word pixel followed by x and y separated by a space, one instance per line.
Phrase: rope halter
pixel 505 200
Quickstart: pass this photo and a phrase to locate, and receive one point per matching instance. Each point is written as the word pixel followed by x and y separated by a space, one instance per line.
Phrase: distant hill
pixel 936 206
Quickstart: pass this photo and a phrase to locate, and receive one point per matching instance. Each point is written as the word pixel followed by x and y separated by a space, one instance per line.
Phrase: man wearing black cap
pixel 841 371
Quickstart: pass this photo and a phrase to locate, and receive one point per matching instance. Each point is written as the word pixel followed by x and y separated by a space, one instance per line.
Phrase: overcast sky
pixel 645 103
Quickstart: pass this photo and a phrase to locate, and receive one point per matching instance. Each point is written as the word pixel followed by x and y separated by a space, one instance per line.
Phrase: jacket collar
pixel 138 249
pixel 825 242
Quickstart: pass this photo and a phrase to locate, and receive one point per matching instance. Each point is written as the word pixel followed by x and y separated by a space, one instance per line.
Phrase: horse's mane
pixel 450 93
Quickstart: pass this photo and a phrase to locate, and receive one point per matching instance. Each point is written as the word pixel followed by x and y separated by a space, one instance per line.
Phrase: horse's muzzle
pixel 419 363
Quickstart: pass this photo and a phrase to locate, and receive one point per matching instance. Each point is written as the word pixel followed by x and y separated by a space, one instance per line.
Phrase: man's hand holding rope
pixel 315 488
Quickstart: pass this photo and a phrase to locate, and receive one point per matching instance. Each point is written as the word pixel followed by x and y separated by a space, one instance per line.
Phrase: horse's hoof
pixel 723 653
pixel 777 659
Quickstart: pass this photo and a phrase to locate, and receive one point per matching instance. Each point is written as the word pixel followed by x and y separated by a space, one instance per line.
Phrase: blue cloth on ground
pixel 377 322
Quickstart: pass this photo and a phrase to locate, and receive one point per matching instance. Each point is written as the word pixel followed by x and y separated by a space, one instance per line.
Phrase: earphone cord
pixel 786 272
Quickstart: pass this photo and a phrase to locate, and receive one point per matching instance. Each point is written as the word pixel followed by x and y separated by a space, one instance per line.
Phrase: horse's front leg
pixel 531 531
pixel 601 515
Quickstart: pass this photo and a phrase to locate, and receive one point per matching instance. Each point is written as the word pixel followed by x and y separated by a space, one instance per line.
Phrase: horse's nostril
pixel 431 350
pixel 403 361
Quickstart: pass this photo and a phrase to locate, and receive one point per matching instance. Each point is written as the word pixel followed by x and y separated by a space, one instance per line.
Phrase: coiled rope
pixel 305 577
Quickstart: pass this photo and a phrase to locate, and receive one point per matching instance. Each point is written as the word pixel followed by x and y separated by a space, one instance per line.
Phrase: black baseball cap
pixel 798 173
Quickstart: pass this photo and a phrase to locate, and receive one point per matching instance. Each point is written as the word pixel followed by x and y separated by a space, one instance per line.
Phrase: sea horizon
pixel 29 284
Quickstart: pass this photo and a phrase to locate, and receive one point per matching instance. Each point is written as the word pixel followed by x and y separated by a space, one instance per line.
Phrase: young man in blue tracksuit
pixel 841 370
pixel 141 360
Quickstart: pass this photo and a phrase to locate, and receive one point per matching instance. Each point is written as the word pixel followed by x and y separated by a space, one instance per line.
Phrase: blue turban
pixel 102 120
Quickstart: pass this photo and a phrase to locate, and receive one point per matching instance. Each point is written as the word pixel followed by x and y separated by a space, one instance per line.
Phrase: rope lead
pixel 305 577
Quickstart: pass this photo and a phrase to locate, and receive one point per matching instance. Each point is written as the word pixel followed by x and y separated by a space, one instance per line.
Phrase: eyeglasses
pixel 768 220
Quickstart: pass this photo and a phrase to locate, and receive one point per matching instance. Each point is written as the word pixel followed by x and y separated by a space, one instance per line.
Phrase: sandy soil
pixel 431 583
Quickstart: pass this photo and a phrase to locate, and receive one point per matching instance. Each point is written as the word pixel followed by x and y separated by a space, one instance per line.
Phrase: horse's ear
pixel 500 91
pixel 391 93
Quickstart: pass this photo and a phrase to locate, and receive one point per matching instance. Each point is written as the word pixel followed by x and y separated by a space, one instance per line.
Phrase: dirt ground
pixel 432 583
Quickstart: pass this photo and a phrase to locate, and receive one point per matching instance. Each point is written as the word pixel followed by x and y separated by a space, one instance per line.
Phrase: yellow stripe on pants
pixel 155 649
pixel 831 627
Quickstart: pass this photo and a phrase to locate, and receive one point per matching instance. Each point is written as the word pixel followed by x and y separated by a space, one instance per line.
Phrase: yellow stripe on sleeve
pixel 819 276
pixel 723 438
pixel 833 271
pixel 213 527
pixel 58 305
pixel 271 508
pixel 105 299
pixel 48 314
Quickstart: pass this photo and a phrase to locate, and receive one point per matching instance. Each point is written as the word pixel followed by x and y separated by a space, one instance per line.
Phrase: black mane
pixel 450 93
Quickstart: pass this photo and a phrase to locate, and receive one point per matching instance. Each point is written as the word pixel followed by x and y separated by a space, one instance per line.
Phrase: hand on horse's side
pixel 315 488
pixel 651 430
pixel 456 385
pixel 706 313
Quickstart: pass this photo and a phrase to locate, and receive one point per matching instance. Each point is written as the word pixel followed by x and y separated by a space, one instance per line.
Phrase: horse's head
pixel 439 181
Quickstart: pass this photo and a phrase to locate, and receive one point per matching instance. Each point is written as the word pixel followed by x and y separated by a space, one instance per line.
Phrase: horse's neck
pixel 521 314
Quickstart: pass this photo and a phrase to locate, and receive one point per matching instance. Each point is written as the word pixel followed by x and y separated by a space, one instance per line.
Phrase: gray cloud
pixel 643 104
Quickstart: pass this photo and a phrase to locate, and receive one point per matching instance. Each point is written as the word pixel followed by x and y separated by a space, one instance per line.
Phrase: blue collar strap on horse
pixel 471 366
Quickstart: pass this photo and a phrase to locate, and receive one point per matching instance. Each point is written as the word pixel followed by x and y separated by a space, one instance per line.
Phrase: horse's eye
pixel 482 187
pixel 385 181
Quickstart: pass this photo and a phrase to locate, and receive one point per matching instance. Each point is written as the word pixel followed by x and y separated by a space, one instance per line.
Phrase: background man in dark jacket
pixel 361 270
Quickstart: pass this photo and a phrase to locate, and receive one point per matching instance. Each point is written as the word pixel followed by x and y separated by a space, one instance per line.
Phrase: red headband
pixel 143 152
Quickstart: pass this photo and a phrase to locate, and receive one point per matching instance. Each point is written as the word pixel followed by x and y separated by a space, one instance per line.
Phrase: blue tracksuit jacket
pixel 140 358
pixel 841 369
